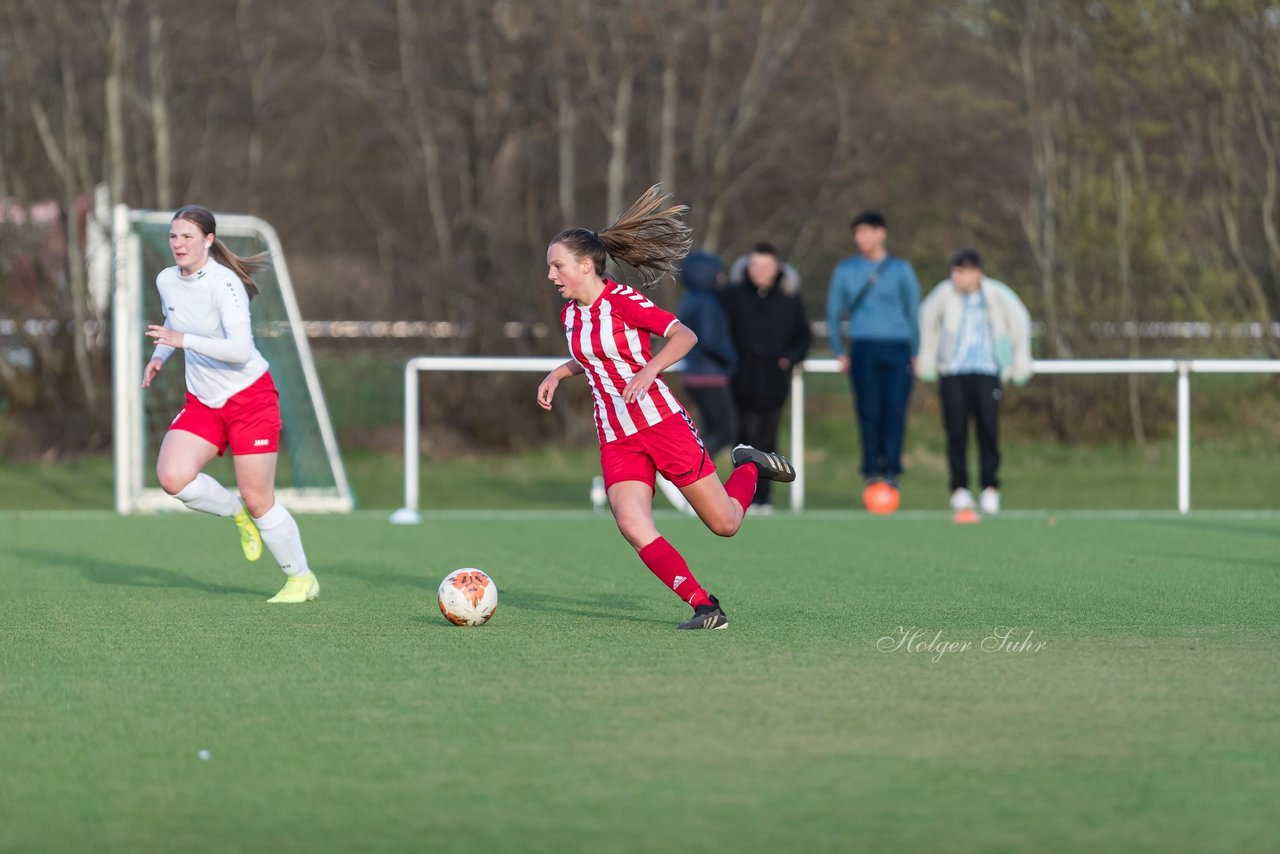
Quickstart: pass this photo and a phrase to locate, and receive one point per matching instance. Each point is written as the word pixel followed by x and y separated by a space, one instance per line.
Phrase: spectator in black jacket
pixel 771 334
pixel 711 363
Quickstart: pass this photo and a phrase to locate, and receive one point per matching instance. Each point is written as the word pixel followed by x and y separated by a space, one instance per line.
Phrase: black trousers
pixel 717 416
pixel 758 427
pixel 975 396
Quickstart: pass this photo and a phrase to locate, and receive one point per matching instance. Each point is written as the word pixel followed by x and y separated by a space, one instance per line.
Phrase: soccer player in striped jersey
pixel 231 399
pixel 643 429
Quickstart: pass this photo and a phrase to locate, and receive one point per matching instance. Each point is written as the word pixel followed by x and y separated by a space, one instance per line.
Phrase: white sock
pixel 280 533
pixel 208 496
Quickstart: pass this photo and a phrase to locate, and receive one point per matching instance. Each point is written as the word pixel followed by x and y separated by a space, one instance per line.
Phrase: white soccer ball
pixel 468 597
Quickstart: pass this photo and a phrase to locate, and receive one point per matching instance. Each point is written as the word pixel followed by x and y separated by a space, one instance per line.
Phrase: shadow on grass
pixel 1207 560
pixel 71 492
pixel 126 574
pixel 1231 526
pixel 377 575
pixel 611 608
pixel 437 621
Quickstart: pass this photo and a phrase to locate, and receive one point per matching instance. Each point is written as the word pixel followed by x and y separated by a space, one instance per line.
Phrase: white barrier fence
pixel 410 513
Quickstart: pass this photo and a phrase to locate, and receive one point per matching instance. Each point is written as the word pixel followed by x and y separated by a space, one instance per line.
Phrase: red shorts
pixel 248 423
pixel 672 446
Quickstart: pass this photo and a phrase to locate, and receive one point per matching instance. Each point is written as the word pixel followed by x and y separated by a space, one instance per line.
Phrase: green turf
pixel 578 719
pixel 1226 474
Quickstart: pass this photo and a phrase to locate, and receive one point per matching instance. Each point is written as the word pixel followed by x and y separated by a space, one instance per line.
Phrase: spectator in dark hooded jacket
pixel 713 360
pixel 771 335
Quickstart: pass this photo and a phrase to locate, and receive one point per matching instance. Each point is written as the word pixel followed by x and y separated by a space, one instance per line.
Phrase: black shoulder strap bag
pixel 862 294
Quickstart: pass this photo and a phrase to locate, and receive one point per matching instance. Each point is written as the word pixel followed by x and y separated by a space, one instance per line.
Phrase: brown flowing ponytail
pixel 244 268
pixel 646 238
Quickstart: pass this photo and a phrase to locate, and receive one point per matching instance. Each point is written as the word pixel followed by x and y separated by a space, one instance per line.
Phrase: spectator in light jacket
pixel 712 362
pixel 974 334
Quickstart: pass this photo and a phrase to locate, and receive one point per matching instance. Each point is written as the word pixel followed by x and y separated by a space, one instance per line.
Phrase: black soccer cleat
pixel 772 466
pixel 707 617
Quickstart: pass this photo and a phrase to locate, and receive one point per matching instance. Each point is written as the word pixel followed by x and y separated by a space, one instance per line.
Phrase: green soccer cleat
pixel 250 539
pixel 300 588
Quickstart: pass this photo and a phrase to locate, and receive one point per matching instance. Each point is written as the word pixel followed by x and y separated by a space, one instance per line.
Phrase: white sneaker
pixel 961 499
pixel 990 500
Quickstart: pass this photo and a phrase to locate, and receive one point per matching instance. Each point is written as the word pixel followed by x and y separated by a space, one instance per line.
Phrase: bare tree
pixel 66 147
pixel 566 129
pixel 1233 205
pixel 777 38
pixel 257 56
pixel 415 82
pixel 117 156
pixel 158 109
pixel 674 37
pixel 1124 268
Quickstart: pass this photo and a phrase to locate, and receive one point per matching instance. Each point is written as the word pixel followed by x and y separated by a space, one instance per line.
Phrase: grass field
pixel 1225 474
pixel 578 719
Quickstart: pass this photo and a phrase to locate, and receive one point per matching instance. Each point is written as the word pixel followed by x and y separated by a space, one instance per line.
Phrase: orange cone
pixel 881 498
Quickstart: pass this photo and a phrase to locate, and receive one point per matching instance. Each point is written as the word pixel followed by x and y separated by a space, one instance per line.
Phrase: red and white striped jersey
pixel 610 339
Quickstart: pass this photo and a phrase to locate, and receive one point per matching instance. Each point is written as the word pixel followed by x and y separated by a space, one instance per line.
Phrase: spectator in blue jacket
pixel 880 295
pixel 710 365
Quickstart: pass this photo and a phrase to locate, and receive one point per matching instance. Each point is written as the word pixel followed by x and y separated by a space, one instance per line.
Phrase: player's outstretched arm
pixel 547 388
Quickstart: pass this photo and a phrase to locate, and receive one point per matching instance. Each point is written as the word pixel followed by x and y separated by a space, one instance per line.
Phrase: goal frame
pixel 129 423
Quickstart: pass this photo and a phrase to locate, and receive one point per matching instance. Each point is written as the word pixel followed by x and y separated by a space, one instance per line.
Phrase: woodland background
pixel 1118 163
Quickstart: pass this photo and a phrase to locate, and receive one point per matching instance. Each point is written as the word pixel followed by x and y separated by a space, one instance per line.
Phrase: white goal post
pixel 410 513
pixel 312 477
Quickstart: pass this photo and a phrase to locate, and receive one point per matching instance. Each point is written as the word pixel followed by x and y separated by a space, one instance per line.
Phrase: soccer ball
pixel 467 597
pixel 880 498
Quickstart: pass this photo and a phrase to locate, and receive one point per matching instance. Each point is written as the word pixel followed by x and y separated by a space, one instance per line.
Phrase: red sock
pixel 741 485
pixel 666 563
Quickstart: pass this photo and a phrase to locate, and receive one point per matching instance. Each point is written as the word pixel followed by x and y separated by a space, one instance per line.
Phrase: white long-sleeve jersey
pixel 211 309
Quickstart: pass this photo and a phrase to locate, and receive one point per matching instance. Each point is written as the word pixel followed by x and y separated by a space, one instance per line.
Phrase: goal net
pixel 311 476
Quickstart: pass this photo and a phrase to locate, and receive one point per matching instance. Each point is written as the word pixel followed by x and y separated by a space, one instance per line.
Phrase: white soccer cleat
pixel 989 501
pixel 961 499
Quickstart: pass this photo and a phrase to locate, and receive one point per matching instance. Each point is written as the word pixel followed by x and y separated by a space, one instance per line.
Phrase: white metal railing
pixel 409 513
